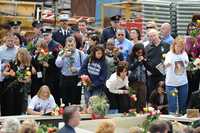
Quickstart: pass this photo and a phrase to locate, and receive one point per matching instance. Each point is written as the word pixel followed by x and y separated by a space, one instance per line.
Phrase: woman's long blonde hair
pixel 24 56
pixel 178 40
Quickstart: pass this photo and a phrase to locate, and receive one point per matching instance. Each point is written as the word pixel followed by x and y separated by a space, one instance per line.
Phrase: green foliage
pixel 45 58
pixel 132 90
pixel 150 118
pixel 46 128
pixel 195 124
pixel 30 47
pixel 195 32
pixel 99 105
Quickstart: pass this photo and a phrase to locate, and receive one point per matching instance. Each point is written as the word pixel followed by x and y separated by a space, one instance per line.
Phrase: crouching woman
pixel 117 84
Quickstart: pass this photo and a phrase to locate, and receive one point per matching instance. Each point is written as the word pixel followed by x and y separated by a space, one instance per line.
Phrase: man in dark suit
pixel 110 32
pixel 51 70
pixel 71 118
pixel 65 30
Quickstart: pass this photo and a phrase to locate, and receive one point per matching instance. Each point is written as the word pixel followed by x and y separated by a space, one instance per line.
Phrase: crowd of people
pixel 46 65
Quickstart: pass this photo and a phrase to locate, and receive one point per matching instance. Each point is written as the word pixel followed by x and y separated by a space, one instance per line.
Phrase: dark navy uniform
pixel 52 73
pixel 110 32
pixel 16 25
pixel 61 35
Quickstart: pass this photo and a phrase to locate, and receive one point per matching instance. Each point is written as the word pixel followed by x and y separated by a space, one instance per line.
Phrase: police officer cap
pixel 14 23
pixel 115 18
pixel 64 17
pixel 46 30
pixel 37 24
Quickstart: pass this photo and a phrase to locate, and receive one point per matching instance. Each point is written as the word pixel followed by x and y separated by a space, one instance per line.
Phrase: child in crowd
pixel 95 67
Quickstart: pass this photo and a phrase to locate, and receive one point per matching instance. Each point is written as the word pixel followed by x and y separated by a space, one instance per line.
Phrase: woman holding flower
pixel 22 71
pixel 40 61
pixel 95 67
pixel 176 62
pixel 138 67
pixel 70 60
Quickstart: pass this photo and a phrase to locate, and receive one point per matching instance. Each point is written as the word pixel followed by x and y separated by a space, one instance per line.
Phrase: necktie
pixel 65 33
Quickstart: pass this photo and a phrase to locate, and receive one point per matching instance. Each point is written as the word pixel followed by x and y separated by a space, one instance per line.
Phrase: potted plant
pixel 98 106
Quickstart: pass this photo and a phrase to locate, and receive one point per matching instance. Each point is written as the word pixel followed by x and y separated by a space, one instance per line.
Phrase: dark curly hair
pixel 96 48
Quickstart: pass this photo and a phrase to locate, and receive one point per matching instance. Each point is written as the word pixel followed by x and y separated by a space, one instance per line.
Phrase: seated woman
pixel 42 103
pixel 158 98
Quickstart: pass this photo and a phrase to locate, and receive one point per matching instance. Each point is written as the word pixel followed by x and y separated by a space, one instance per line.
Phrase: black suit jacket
pixel 58 36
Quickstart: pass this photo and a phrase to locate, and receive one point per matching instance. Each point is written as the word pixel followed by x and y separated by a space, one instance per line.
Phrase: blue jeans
pixel 182 98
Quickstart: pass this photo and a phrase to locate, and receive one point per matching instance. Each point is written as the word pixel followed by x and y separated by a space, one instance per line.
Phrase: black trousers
pixel 121 102
pixel 193 82
pixel 141 92
pixel 69 91
pixel 52 81
pixel 19 99
pixel 6 98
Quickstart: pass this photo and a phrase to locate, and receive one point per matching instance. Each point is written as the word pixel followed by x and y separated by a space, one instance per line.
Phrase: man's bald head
pixel 153 36
pixel 165 29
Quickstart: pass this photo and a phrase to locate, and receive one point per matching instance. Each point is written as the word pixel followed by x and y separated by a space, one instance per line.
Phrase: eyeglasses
pixel 150 27
pixel 120 34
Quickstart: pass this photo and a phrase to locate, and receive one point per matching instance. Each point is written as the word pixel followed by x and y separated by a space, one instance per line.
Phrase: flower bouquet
pixel 86 82
pixel 194 65
pixel 23 73
pixel 58 110
pixel 152 115
pixel 131 112
pixel 98 106
pixel 44 55
pixel 47 128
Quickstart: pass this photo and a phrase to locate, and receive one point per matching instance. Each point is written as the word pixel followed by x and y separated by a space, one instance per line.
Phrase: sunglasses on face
pixel 120 34
pixel 150 27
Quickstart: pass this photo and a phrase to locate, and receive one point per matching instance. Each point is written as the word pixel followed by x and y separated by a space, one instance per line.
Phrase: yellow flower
pixel 173 94
pixel 145 109
pixel 28 73
pixel 198 21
